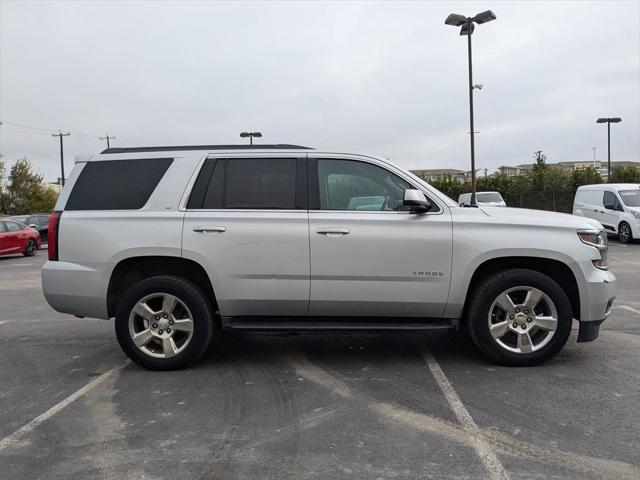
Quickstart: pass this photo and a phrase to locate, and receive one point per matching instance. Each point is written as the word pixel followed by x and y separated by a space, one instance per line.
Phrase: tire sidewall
pixel 198 304
pixel 487 294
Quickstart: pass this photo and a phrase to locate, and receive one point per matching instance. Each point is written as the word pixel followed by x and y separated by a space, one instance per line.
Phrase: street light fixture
pixel 609 121
pixel 467 25
pixel 251 135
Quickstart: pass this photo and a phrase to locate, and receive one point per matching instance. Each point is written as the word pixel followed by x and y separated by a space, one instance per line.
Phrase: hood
pixel 634 209
pixel 525 216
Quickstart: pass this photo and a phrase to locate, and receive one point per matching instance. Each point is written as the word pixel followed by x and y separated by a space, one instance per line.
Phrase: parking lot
pixel 370 406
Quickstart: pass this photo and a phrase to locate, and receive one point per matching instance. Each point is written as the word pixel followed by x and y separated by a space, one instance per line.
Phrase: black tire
pixel 624 233
pixel 30 248
pixel 477 315
pixel 194 299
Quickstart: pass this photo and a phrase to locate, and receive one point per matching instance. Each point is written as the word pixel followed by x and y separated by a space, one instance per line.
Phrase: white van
pixel 616 206
pixel 486 199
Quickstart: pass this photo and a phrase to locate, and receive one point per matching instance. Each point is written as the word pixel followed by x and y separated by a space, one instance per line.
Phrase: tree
pixel 621 174
pixel 584 176
pixel 25 191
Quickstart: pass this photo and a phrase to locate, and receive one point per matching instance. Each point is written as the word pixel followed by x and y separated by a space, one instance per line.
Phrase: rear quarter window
pixel 117 184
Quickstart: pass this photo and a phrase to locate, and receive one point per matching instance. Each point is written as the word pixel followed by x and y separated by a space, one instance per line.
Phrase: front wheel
pixel 624 233
pixel 164 322
pixel 519 317
pixel 30 248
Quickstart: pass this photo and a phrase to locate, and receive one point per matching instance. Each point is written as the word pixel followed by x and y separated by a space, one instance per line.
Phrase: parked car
pixel 18 238
pixel 488 199
pixel 39 221
pixel 178 243
pixel 615 205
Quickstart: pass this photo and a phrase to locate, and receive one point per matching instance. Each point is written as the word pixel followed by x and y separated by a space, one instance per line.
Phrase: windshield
pixel 631 198
pixel 487 197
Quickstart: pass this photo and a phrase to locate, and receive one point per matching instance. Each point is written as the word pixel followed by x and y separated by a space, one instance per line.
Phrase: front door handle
pixel 209 229
pixel 332 232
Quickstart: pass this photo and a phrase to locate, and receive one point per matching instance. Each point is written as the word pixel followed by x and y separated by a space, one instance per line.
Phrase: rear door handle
pixel 332 232
pixel 209 229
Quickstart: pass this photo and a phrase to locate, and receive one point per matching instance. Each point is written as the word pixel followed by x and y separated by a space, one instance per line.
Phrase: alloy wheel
pixel 523 319
pixel 161 325
pixel 625 233
pixel 31 248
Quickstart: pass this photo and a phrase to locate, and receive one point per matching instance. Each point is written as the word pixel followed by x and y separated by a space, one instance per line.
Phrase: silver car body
pixel 313 262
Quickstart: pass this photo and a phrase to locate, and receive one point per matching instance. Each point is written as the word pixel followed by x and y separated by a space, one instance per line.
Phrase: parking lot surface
pixel 370 406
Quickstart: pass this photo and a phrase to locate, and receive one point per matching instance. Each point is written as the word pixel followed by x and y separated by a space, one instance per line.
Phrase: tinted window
pixel 610 201
pixel 3 229
pixel 117 184
pixel 353 185
pixel 248 183
pixel 13 227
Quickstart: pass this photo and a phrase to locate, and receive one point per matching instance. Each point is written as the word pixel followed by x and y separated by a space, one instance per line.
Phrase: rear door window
pixel 117 184
pixel 250 183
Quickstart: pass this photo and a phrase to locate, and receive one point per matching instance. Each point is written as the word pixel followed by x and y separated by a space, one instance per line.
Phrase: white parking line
pixel 631 309
pixel 15 436
pixel 2 322
pixel 487 456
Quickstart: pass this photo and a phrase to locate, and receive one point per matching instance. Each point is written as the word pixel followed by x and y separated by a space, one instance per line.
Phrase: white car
pixel 178 243
pixel 489 199
pixel 615 205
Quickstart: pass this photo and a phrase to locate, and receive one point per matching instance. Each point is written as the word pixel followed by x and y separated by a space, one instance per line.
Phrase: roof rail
pixel 277 146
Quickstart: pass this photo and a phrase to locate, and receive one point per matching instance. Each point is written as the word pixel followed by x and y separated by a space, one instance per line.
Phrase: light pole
pixel 468 25
pixel 609 121
pixel 250 135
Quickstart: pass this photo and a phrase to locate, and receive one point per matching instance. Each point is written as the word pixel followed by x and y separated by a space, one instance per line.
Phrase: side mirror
pixel 415 201
pixel 33 225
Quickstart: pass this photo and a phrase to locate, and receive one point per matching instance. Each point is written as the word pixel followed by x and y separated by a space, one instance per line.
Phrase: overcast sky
pixel 383 78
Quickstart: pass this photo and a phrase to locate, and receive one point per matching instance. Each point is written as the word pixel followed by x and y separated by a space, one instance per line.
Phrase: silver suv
pixel 180 243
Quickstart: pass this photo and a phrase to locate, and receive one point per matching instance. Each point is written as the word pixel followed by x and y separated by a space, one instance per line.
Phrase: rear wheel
pixel 519 317
pixel 30 248
pixel 164 322
pixel 624 233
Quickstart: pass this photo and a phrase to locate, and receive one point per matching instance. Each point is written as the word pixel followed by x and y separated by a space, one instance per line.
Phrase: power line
pixel 47 130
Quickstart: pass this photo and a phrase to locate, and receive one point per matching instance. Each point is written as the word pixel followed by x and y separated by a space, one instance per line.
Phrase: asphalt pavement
pixel 338 406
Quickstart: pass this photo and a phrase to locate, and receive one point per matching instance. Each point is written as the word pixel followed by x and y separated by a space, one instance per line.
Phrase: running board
pixel 336 324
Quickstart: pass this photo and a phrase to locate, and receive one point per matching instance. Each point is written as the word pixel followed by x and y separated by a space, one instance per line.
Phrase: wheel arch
pixel 555 269
pixel 131 270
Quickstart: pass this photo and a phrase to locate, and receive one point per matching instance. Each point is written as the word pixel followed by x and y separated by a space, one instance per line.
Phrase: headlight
pixel 597 239
pixel 637 215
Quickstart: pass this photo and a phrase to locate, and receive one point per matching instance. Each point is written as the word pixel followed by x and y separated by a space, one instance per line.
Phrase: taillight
pixel 54 228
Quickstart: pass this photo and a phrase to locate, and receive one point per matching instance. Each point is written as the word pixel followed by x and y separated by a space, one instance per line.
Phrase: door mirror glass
pixel 415 201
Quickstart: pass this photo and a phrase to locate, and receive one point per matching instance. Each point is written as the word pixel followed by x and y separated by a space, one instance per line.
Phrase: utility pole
pixel 60 135
pixel 107 138
pixel 594 156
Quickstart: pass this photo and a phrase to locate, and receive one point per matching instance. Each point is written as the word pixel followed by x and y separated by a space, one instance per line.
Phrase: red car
pixel 18 238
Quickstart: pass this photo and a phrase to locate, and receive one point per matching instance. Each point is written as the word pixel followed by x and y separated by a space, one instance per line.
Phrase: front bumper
pixel 597 300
